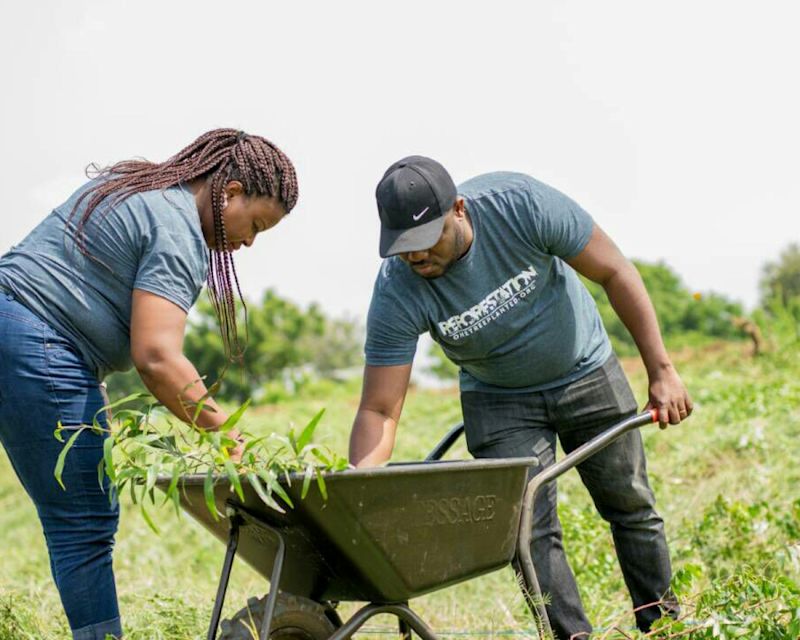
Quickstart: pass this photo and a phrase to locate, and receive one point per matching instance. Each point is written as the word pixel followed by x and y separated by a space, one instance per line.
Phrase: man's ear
pixel 459 207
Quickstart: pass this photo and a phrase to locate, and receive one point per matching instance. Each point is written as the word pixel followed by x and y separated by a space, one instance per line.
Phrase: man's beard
pixel 459 249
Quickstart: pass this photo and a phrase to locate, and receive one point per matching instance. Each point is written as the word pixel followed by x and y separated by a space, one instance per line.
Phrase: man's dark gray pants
pixel 502 425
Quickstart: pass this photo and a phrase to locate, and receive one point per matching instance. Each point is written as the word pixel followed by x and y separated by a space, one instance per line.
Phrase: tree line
pixel 289 346
pixel 689 318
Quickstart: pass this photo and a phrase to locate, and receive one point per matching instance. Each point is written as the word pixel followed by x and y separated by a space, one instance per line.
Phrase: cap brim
pixel 394 241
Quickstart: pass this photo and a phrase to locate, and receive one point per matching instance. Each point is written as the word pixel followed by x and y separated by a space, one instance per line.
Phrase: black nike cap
pixel 413 197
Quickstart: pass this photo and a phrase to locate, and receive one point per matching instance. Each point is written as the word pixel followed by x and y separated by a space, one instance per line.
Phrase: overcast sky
pixel 674 124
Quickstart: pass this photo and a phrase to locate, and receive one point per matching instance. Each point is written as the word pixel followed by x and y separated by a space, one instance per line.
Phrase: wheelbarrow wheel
pixel 295 618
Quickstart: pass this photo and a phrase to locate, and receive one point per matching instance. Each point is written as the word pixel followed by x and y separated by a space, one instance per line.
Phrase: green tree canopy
pixel 680 312
pixel 780 280
pixel 285 344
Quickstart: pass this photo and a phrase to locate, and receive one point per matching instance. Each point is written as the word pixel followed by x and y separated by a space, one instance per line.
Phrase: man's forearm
pixel 602 262
pixel 372 438
pixel 177 385
pixel 628 296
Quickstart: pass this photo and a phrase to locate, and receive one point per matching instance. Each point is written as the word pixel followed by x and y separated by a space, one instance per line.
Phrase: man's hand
pixel 669 397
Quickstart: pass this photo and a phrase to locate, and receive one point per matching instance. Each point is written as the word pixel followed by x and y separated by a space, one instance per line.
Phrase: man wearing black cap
pixel 489 270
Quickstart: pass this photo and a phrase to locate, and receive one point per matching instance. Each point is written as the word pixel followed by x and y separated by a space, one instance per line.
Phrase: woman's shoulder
pixel 157 202
pixel 146 205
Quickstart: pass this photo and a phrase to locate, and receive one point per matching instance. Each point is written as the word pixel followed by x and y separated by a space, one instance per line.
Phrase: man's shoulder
pixel 513 193
pixel 496 182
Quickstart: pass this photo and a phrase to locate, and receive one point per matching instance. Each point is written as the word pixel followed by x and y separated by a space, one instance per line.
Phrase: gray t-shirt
pixel 510 313
pixel 150 241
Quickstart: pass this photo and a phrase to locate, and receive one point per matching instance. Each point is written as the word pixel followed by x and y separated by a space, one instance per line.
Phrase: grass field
pixel 725 480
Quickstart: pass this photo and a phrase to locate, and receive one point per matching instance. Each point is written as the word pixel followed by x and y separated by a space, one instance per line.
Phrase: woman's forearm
pixel 175 382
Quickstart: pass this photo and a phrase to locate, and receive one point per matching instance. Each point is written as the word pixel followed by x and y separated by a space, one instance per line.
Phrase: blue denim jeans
pixel 43 380
pixel 509 425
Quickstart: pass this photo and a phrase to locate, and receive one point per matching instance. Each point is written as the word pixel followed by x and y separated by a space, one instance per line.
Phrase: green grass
pixel 725 481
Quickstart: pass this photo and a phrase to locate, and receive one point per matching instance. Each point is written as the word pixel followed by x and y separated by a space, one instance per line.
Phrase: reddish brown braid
pixel 220 155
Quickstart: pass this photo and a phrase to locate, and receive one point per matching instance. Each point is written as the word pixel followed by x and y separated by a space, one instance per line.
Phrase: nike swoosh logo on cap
pixel 420 214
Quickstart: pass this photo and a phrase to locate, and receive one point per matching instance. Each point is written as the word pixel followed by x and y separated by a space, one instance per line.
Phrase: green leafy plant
pixel 746 605
pixel 145 446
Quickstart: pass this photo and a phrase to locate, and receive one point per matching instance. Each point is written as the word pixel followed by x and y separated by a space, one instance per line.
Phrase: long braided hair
pixel 220 155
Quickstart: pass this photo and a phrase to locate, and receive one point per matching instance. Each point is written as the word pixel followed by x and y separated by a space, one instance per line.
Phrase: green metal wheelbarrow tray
pixel 383 536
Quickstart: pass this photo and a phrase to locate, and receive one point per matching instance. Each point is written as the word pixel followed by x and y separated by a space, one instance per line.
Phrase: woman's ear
pixel 232 189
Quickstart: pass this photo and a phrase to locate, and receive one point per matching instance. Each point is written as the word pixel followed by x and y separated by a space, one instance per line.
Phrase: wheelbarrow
pixel 383 536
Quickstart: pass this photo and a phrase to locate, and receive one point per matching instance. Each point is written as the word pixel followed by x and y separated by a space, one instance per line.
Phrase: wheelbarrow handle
pixel 599 442
pixel 586 450
pixel 455 433
pixel 445 443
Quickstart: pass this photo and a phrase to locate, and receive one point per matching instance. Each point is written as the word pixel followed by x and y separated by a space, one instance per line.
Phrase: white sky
pixel 675 124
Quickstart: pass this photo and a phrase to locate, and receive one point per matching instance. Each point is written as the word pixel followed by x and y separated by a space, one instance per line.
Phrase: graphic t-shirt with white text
pixel 510 313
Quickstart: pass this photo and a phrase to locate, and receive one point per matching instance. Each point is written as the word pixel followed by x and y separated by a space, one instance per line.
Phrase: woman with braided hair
pixel 103 283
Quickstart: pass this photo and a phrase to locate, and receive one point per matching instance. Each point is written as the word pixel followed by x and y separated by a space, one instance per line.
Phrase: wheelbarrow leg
pixel 402 611
pixel 274 582
pixel 405 630
pixel 233 543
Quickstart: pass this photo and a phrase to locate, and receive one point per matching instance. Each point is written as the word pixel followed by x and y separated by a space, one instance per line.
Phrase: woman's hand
pixel 237 451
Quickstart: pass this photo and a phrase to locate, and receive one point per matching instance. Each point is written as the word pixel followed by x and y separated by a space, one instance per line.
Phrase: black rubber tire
pixel 295 618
